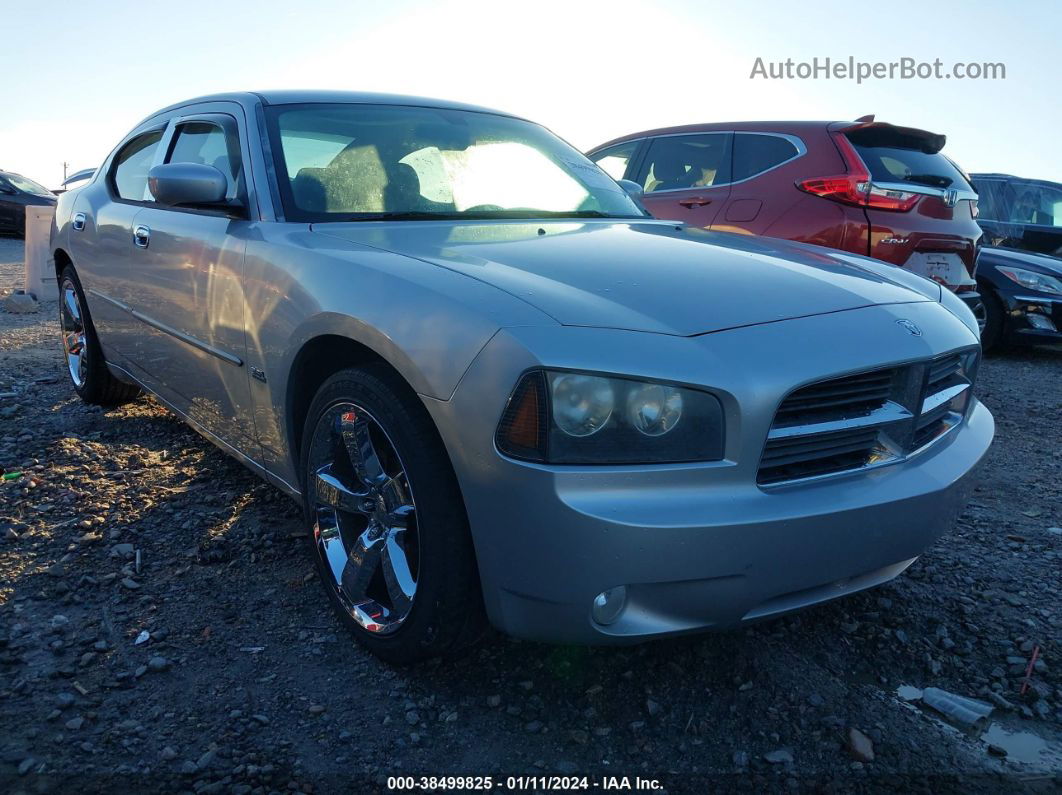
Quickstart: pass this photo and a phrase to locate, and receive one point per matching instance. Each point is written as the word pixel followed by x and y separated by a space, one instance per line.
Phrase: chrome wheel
pixel 72 324
pixel 364 518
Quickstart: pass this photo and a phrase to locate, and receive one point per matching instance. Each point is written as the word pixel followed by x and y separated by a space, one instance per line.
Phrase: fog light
pixel 1041 322
pixel 609 604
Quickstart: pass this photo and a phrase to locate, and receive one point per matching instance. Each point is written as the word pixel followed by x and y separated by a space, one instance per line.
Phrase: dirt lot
pixel 125 525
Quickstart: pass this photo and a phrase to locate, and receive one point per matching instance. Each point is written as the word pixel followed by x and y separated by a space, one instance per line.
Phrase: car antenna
pixel 868 118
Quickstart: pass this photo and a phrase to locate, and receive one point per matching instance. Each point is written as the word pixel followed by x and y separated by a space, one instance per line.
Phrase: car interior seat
pixel 670 173
pixel 309 191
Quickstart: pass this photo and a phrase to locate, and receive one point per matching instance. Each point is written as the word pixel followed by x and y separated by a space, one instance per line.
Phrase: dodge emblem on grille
pixel 911 327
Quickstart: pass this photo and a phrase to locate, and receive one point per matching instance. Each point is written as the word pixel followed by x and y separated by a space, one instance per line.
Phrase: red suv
pixel 865 186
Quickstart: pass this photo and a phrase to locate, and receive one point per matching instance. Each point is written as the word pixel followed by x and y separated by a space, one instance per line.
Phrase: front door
pixel 190 291
pixel 686 177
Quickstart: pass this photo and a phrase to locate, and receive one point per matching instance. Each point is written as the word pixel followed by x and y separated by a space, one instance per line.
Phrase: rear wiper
pixel 929 179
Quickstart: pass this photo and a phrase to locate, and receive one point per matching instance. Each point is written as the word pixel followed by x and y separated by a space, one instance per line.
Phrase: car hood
pixel 643 276
pixel 1040 263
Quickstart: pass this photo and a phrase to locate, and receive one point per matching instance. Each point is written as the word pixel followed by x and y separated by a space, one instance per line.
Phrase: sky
pixel 87 73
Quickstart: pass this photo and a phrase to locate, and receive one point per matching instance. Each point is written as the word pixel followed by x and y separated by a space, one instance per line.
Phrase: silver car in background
pixel 499 389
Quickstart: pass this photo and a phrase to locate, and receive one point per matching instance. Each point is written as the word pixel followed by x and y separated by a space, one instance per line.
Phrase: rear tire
pixel 88 371
pixel 386 520
pixel 992 334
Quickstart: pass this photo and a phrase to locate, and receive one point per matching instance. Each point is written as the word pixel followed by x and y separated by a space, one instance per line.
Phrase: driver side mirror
pixel 189 185
pixel 8 190
pixel 633 189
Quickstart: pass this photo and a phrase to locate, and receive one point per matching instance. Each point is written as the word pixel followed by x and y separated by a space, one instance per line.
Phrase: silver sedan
pixel 499 389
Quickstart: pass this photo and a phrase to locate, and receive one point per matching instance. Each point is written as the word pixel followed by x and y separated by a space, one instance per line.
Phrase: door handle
pixel 79 222
pixel 695 201
pixel 141 236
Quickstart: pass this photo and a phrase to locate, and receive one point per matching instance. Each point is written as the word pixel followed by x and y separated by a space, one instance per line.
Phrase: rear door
pixel 103 249
pixel 764 169
pixel 190 296
pixel 686 177
pixel 920 207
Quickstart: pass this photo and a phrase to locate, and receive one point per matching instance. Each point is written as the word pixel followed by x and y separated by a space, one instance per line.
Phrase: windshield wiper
pixel 482 215
pixel 412 215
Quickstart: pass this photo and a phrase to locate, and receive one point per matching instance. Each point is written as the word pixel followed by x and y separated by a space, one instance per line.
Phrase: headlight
pixel 582 404
pixel 1031 280
pixel 561 417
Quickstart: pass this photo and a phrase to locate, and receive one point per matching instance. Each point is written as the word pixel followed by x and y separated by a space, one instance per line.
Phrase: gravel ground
pixel 127 525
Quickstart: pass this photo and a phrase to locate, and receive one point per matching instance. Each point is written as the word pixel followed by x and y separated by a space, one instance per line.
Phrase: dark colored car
pixel 1018 213
pixel 17 193
pixel 866 187
pixel 1022 293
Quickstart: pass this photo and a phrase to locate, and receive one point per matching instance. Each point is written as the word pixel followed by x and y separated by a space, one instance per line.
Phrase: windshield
pixel 27 185
pixel 349 162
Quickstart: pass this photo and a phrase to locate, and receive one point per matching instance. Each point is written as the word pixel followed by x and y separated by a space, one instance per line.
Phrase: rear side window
pixel 615 159
pixel 206 143
pixel 130 173
pixel 677 162
pixel 1020 202
pixel 904 158
pixel 755 153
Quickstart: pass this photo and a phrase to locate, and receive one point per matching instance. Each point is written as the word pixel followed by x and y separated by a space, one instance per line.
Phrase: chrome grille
pixel 866 419
pixel 850 396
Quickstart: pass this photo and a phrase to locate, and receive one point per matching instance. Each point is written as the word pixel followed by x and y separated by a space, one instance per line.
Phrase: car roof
pixel 791 127
pixel 292 97
pixel 998 175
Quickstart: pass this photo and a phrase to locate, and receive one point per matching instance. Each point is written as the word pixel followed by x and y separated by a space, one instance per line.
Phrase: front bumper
pixel 701 546
pixel 1025 313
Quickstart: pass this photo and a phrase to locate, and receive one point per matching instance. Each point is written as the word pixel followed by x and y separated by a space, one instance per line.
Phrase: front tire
pixel 81 348
pixel 992 333
pixel 386 520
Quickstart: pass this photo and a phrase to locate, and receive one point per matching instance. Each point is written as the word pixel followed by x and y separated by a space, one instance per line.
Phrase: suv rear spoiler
pixel 879 133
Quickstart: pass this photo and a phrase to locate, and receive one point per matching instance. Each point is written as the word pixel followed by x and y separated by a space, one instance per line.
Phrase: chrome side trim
pixel 110 300
pixel 797 142
pixel 890 412
pixel 188 339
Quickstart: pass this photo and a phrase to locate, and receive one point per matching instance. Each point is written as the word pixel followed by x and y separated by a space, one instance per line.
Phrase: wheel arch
pixel 60 260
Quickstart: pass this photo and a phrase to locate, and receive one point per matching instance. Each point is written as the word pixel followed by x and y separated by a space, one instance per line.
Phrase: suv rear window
pixel 895 157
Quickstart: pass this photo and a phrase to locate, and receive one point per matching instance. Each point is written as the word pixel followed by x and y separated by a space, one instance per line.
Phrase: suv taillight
pixel 856 187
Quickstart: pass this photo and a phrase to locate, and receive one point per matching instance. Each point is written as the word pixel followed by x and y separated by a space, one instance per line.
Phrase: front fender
pixel 427 322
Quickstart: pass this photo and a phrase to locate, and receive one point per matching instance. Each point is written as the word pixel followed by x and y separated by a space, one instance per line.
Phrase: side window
pixel 675 162
pixel 206 143
pixel 754 154
pixel 130 171
pixel 614 160
pixel 1036 204
pixel 992 199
